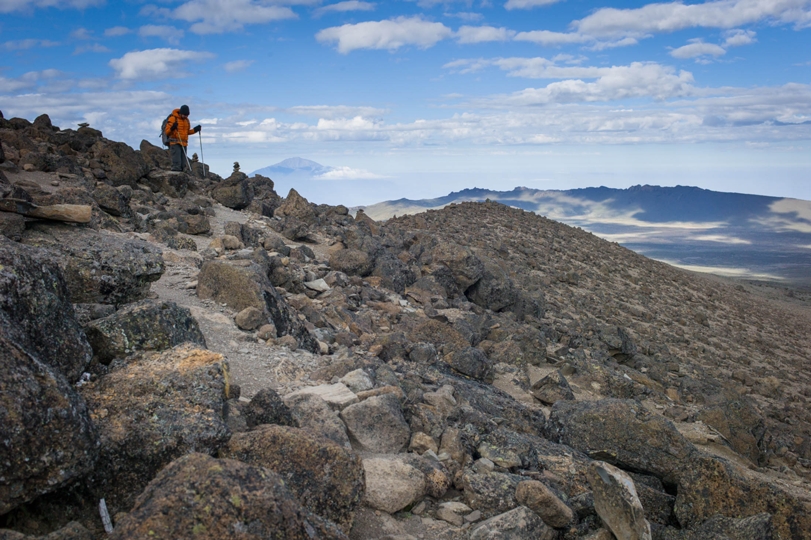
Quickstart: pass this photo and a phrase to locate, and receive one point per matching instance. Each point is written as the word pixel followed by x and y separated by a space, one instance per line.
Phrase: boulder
pixel 148 325
pixel 617 503
pixel 517 524
pixel 266 407
pixel 248 286
pixel 123 165
pixel 739 422
pixel 760 527
pixel 623 432
pixel 313 413
pixel 337 395
pixel 552 388
pixel 710 486
pixel 494 290
pixel 392 484
pixel 99 268
pixel 48 437
pixel 173 184
pixel 296 206
pixel 491 493
pixel 466 269
pixel 204 498
pixel 194 224
pixel 155 156
pixel 357 381
pixel 326 478
pixel 112 200
pixel 250 318
pixel 12 226
pixel 35 310
pixel 234 192
pixel 543 501
pixel 395 274
pixel 152 410
pixel 352 262
pixel 444 337
pixel 472 362
pixel 377 425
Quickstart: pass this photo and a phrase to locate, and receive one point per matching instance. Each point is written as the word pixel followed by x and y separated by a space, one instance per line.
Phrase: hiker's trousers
pixel 178 154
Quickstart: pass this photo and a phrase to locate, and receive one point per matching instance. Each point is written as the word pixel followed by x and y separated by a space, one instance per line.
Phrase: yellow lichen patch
pixel 198 358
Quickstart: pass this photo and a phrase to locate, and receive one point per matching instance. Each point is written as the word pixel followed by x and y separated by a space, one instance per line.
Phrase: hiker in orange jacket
pixel 178 131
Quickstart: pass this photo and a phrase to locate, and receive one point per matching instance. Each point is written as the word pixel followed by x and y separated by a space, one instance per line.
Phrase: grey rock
pixel 377 424
pixel 494 290
pixel 148 325
pixel 391 484
pixel 313 413
pixel 617 503
pixel 552 388
pixel 517 524
pixel 543 501
pixel 266 407
pixel 472 362
pixel 250 318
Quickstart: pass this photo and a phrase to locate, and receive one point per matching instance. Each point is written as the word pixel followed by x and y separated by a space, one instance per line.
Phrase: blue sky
pixel 415 98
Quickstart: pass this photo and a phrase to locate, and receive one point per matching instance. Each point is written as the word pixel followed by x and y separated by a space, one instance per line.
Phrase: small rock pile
pixel 472 373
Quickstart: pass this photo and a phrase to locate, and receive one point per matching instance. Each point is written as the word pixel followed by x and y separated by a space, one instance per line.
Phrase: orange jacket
pixel 181 134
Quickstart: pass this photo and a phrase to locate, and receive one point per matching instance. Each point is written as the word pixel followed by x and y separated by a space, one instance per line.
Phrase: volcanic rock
pixel 521 523
pixel 377 424
pixel 266 407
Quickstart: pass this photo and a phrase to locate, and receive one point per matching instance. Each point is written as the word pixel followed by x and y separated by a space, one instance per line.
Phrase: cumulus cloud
pixel 335 111
pixel 168 33
pixel 736 38
pixel 546 37
pixel 697 48
pixel 81 33
pixel 389 34
pixel 155 63
pixel 527 4
pixel 481 34
pixel 237 65
pixel 95 47
pixel 219 16
pixel 343 7
pixel 9 6
pixel 673 16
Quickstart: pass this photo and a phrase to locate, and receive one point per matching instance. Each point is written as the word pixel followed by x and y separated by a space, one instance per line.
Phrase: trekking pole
pixel 202 159
pixel 186 154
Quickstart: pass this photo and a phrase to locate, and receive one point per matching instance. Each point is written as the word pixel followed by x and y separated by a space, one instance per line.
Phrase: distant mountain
pixel 727 233
pixel 320 183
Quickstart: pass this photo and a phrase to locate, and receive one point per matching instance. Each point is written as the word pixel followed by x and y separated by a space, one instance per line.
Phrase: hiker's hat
pixel 184 109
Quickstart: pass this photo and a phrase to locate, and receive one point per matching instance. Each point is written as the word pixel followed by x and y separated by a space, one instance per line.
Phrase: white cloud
pixel 9 6
pixel 81 33
pixel 95 47
pixel 527 4
pixel 546 37
pixel 736 38
pixel 481 34
pixel 155 63
pixel 669 17
pixel 237 65
pixel 218 16
pixel 343 7
pixel 468 16
pixel 697 48
pixel 24 44
pixel 116 31
pixel 389 34
pixel 168 33
pixel 347 173
pixel 335 111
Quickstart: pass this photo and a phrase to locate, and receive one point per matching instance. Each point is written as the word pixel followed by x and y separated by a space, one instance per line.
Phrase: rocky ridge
pixel 215 361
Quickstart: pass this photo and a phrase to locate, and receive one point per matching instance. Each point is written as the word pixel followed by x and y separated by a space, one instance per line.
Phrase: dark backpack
pixel 164 137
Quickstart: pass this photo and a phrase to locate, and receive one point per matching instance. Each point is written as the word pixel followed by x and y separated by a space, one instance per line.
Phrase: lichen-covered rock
pixel 246 286
pixel 352 262
pixel 311 412
pixel 377 424
pixel 71 531
pixel 494 290
pixel 152 410
pixel 491 493
pixel 48 437
pixel 622 432
pixel 99 268
pixel 194 224
pixel 465 267
pixel 296 206
pixel 710 486
pixel 760 527
pixel 12 226
pixel 148 325
pixel 552 388
pixel 517 524
pixel 204 498
pixel 472 361
pixel 326 478
pixel 112 200
pixel 35 311
pixel 155 156
pixel 617 503
pixel 266 407
pixel 392 484
pixel 543 501
pixel 171 183
pixel 234 192
pixel 123 165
